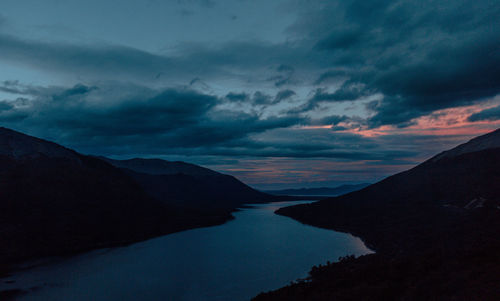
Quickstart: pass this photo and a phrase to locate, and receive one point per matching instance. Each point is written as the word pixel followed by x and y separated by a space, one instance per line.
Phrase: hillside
pixel 161 167
pixel 191 186
pixel 422 222
pixel 55 201
pixel 446 186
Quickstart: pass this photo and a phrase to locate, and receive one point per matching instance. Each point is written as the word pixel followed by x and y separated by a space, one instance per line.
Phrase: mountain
pixel 56 201
pixel 161 167
pixel 447 185
pixel 188 185
pixel 488 141
pixel 435 229
pixel 322 191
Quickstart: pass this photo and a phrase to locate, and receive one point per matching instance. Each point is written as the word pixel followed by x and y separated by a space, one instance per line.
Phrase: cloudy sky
pixel 281 93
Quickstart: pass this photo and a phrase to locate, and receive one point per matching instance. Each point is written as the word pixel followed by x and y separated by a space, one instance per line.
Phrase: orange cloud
pixel 451 121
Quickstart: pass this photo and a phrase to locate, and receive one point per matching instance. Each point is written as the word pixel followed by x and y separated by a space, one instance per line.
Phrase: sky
pixel 281 94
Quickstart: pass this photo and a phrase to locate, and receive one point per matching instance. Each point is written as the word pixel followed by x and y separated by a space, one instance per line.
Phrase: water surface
pixel 255 252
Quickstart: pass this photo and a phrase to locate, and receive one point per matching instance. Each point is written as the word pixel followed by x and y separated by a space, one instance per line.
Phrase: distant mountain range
pixel 435 228
pixel 322 191
pixel 54 200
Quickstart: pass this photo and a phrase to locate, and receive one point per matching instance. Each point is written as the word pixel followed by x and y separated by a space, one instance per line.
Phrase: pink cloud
pixel 445 122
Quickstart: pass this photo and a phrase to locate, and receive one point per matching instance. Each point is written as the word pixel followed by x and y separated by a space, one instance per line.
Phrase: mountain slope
pixel 188 185
pixel 487 141
pixel 161 167
pixel 19 146
pixel 54 201
pixel 443 187
pixel 435 228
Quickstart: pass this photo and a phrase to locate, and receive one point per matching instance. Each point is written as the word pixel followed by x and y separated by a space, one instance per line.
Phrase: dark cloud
pixel 106 60
pixel 75 112
pixel 259 98
pixel 283 95
pixel 5 106
pixel 332 120
pixel 449 77
pixel 346 92
pixel 76 90
pixel 324 143
pixel 488 114
pixel 244 60
pixel 117 115
pixel 237 97
pixel 341 39
pixel 410 58
pixel 331 74
pixel 198 84
pixel 139 120
pixel 422 56
pixel 285 68
pixel 392 110
pixel 284 77
pixel 10 87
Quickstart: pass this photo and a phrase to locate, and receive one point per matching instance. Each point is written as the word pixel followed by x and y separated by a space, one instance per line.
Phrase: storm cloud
pixel 422 56
pixel 367 82
pixel 169 118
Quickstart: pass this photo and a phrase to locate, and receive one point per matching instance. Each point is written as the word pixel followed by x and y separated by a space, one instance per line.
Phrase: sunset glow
pixel 287 86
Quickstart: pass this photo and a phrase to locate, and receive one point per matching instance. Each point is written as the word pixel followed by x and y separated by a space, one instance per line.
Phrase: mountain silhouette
pixel 188 185
pixel 446 186
pixel 55 201
pixel 161 167
pixel 435 229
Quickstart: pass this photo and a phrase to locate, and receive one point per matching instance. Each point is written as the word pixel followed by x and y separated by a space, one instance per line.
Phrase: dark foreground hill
pixel 55 201
pixel 321 191
pixel 435 228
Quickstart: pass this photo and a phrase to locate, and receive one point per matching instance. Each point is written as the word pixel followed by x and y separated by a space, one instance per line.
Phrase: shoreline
pixel 47 262
pixel 9 268
pixel 369 245
pixel 414 260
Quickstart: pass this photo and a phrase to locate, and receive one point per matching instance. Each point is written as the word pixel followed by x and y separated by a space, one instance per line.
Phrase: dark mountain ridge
pixel 189 185
pixel 161 167
pixel 488 141
pixel 435 228
pixel 52 198
pixel 452 183
pixel 55 201
pixel 20 146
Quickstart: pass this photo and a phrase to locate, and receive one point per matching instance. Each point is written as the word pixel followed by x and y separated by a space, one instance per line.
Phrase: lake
pixel 255 252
